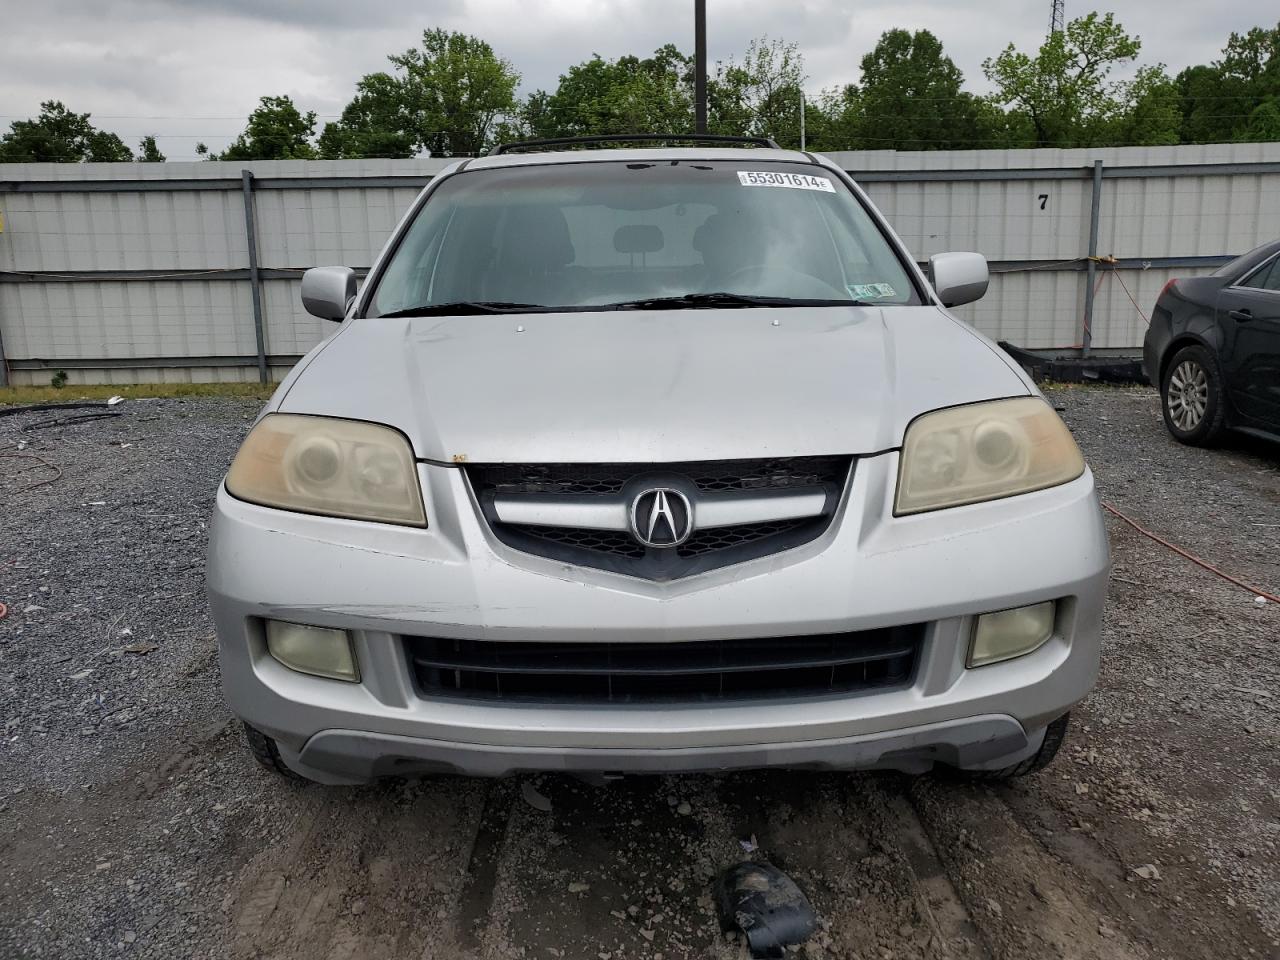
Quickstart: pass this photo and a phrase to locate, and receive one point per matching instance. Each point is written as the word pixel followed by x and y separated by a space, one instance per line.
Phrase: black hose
pixel 34 407
pixel 64 421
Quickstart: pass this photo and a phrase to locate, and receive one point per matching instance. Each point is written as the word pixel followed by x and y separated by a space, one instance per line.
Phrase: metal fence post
pixel 255 285
pixel 1095 213
pixel 4 364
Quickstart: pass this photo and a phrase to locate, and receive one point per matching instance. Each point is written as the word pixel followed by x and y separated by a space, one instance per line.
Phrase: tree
pixel 276 130
pixel 1154 116
pixel 148 152
pixel 912 98
pixel 460 86
pixel 444 97
pixel 1253 58
pixel 1220 101
pixel 1065 93
pixel 627 95
pixel 59 136
pixel 760 96
pixel 833 121
pixel 532 118
pixel 1264 122
pixel 1209 105
pixel 378 122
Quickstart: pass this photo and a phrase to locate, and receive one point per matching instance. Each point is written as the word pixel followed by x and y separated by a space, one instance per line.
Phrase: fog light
pixel 1010 633
pixel 315 650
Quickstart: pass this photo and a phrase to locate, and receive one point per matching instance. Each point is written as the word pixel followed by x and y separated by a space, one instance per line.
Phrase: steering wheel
pixel 797 284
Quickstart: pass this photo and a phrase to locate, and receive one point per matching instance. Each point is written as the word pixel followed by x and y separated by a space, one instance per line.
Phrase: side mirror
pixel 958 277
pixel 328 291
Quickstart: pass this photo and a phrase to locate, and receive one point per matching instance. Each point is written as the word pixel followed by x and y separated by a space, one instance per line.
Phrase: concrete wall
pixel 96 271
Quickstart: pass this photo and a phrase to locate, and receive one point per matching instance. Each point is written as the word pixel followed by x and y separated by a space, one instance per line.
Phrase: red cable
pixel 1120 281
pixel 57 470
pixel 1190 556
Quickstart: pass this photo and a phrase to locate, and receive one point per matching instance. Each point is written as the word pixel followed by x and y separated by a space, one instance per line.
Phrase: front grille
pixel 699 671
pixel 612 542
pixel 773 473
pixel 618 551
pixel 723 538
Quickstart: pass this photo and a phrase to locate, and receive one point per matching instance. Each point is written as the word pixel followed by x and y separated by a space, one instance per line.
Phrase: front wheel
pixel 1191 397
pixel 266 752
pixel 1054 734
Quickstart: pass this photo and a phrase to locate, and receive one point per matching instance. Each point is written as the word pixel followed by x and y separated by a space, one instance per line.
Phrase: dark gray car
pixel 1213 349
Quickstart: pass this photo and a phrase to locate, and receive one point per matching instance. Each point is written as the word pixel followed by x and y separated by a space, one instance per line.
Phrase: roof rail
pixel 632 138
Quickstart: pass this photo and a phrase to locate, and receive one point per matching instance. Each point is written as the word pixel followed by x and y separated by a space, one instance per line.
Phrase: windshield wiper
pixel 464 308
pixel 709 301
pixel 688 301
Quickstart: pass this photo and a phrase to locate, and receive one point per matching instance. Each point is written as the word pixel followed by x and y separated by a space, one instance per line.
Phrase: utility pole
pixel 802 144
pixel 700 66
pixel 1057 17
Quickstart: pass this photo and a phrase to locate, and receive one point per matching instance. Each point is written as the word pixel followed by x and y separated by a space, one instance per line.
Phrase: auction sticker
pixel 796 181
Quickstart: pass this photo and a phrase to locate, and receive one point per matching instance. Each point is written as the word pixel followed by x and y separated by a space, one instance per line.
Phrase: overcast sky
pixel 191 70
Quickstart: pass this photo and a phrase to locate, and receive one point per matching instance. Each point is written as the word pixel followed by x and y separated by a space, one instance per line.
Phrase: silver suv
pixel 654 460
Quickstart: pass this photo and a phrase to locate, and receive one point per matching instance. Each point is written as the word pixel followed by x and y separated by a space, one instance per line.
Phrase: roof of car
pixel 743 154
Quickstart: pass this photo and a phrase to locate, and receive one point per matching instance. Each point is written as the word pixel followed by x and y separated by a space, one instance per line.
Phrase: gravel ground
pixel 133 822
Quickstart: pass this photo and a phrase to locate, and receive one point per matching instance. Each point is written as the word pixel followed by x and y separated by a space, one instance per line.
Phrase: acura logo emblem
pixel 661 517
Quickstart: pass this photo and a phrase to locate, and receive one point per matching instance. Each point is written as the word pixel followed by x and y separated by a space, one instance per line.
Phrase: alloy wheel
pixel 1188 395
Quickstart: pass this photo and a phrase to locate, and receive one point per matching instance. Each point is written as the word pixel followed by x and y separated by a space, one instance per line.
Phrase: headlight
pixel 340 468
pixel 984 451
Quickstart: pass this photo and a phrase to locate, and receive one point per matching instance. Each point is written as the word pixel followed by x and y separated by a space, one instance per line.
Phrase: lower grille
pixel 699 671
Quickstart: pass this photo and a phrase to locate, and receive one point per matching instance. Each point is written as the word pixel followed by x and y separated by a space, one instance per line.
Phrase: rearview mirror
pixel 958 277
pixel 327 292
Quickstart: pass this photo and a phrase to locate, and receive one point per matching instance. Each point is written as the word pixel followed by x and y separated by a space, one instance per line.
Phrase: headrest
pixel 714 231
pixel 536 237
pixel 637 238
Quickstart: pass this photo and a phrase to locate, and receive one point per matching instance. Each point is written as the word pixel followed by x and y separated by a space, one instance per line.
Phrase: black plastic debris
pixel 104 410
pixel 78 405
pixel 766 905
pixel 1052 365
pixel 533 798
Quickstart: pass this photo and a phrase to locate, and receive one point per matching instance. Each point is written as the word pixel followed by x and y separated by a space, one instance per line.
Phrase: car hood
pixel 652 386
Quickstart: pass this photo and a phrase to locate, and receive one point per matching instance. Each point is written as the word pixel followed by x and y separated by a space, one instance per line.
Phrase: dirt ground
pixel 133 822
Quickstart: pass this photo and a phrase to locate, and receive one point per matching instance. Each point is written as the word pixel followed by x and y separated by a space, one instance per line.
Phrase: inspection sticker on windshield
pixel 797 181
pixel 872 291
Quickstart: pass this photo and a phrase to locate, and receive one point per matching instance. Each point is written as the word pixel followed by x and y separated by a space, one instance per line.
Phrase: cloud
pixel 191 70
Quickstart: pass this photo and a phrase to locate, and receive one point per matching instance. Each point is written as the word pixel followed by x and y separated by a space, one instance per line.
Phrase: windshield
pixel 595 234
pixel 1245 261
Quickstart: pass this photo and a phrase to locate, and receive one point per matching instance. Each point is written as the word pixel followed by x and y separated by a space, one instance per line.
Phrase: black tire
pixel 264 750
pixel 1054 734
pixel 1191 397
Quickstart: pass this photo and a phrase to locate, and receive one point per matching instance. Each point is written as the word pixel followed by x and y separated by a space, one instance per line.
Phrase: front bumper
pixel 455 580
